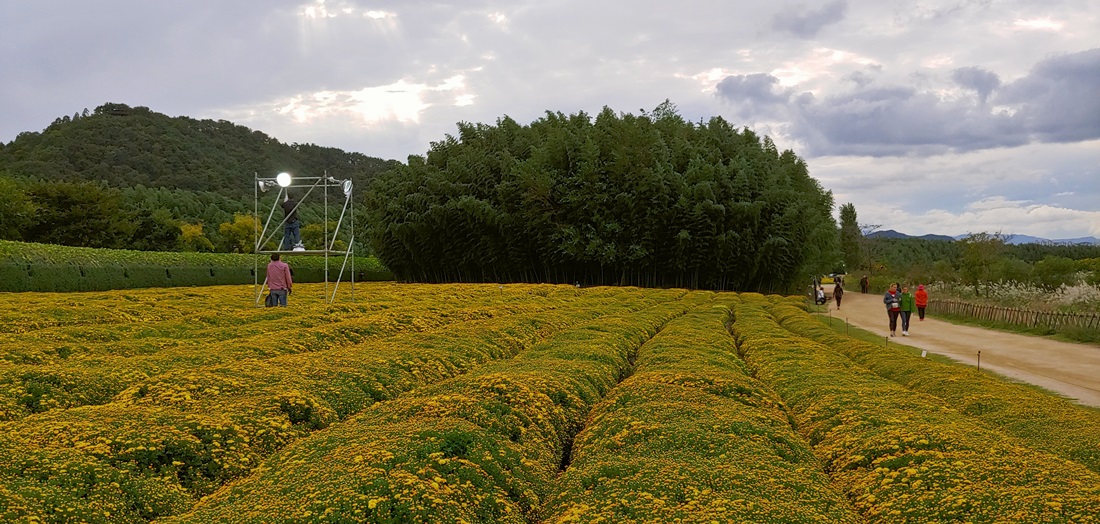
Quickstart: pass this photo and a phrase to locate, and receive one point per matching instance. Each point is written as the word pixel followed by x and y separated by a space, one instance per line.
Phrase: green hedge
pixel 41 267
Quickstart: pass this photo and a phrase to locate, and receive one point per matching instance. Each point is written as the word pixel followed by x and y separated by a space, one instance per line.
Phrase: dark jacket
pixel 289 210
pixel 890 299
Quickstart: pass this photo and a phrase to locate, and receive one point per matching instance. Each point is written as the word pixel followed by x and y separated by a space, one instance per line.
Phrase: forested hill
pixel 127 146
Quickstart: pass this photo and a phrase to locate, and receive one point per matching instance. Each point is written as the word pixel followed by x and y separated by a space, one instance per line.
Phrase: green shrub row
pixel 901 456
pixel 193 430
pixel 692 437
pixel 75 366
pixel 1044 421
pixel 481 447
pixel 40 267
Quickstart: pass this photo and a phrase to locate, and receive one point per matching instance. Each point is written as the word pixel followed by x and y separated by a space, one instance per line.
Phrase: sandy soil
pixel 1069 369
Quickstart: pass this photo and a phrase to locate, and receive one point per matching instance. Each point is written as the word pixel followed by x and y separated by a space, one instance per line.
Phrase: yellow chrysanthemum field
pixel 515 403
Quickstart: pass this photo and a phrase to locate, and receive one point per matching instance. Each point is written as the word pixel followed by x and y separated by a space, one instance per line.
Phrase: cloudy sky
pixel 932 116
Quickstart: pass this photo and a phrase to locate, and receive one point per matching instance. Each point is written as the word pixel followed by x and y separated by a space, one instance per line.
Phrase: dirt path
pixel 1072 370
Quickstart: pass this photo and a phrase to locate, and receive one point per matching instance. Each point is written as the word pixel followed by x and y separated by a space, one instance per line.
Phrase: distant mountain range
pixel 890 233
pixel 1014 240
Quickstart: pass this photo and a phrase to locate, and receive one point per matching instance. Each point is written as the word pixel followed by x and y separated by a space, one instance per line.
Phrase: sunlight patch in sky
pixel 709 79
pixel 321 9
pixel 401 101
pixel 1039 24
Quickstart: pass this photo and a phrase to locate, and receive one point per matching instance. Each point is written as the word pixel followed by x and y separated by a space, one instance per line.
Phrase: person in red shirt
pixel 922 300
pixel 278 279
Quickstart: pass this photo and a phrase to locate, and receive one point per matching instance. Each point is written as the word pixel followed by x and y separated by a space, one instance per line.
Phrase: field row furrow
pixel 481 447
pixel 223 315
pixel 199 306
pixel 691 437
pixel 164 441
pixel 1042 420
pixel 902 456
pixel 27 389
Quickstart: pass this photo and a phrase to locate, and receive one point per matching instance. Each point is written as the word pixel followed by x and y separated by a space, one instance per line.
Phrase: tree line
pixel 978 260
pixel 649 200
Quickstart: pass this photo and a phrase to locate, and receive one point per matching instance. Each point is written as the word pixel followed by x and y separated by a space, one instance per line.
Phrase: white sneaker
pixel 904 333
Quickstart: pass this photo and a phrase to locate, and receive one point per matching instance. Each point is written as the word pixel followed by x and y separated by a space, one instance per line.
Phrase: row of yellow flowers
pixel 904 456
pixel 75 364
pixel 480 447
pixel 1044 421
pixel 691 437
pixel 165 440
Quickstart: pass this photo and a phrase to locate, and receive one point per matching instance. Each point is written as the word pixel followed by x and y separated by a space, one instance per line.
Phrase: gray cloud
pixel 805 23
pixel 978 79
pixel 755 96
pixel 1059 101
pixel 1056 102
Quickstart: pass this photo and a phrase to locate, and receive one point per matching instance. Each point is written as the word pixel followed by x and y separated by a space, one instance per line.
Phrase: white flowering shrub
pixel 1079 297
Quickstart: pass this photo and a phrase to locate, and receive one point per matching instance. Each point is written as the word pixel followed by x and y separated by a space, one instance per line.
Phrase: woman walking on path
pixel 892 299
pixel 921 300
pixel 908 306
pixel 838 293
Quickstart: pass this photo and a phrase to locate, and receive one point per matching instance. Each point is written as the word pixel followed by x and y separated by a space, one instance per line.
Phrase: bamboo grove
pixel 619 199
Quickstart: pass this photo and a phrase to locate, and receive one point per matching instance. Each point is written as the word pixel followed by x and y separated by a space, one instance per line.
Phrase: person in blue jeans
pixel 278 279
pixel 291 226
pixel 908 306
pixel 892 299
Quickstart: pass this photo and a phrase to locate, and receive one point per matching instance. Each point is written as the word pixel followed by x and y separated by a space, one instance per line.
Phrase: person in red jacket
pixel 921 297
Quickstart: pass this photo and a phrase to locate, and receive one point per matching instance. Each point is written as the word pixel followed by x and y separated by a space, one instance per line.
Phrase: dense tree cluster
pixel 649 200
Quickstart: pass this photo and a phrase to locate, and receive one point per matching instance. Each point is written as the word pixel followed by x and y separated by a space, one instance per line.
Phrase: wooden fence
pixel 1019 317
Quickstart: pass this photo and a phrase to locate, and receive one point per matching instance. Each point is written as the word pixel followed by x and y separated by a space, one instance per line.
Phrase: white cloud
pixel 1039 24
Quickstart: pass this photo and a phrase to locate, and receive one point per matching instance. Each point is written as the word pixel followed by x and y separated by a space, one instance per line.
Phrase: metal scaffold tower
pixel 338 241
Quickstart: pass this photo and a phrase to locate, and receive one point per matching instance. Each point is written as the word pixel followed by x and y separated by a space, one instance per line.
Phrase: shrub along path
pixel 1069 369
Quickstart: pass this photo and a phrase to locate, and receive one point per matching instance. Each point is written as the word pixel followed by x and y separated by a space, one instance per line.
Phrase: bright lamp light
pixel 283 179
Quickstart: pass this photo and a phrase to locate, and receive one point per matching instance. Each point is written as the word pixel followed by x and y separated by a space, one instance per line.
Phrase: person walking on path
pixel 908 306
pixel 921 299
pixel 892 299
pixel 864 285
pixel 278 279
pixel 838 293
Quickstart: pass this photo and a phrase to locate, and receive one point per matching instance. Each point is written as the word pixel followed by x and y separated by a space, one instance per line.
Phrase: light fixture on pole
pixel 283 179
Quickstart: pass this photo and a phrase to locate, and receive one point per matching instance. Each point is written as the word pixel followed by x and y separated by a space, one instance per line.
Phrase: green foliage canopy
pixel 850 237
pixel 647 200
